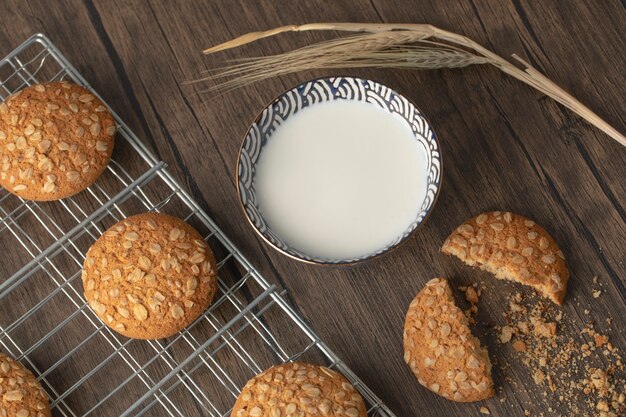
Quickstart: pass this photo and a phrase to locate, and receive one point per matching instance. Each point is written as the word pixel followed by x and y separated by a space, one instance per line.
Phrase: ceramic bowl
pixel 309 94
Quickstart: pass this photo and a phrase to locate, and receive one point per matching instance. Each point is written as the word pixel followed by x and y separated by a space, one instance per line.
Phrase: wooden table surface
pixel 505 147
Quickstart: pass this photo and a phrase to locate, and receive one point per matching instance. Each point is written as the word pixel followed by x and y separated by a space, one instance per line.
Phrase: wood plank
pixel 505 146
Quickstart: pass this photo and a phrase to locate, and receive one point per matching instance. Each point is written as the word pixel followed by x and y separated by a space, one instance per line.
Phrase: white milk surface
pixel 341 179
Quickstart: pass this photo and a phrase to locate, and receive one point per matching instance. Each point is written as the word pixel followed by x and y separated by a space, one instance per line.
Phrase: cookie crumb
pixel 484 410
pixel 544 329
pixel 471 295
pixel 600 340
pixel 539 376
pixel 602 406
pixel 519 346
pixel 505 334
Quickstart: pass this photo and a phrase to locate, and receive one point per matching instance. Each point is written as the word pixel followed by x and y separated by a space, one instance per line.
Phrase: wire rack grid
pixel 86 368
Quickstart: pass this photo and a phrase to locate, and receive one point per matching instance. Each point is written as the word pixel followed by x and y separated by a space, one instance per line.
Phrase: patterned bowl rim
pixel 364 259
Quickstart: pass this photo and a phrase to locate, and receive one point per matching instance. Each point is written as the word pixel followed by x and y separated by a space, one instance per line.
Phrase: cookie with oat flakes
pixel 56 139
pixel 511 247
pixel 299 389
pixel 440 349
pixel 21 395
pixel 149 276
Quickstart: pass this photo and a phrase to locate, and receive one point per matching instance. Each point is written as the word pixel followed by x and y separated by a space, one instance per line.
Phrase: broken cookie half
pixel 511 247
pixel 440 348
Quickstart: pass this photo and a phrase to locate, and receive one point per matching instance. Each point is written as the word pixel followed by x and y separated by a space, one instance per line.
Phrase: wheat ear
pixel 418 46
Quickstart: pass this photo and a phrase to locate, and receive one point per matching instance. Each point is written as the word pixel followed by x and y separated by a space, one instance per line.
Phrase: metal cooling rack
pixel 88 369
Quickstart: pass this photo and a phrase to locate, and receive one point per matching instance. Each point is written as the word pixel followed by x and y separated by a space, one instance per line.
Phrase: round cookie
pixel 298 389
pixel 511 247
pixel 56 139
pixel 21 394
pixel 440 348
pixel 149 276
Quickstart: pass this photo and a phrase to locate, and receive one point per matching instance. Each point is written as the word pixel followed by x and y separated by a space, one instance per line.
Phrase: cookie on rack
pixel 299 389
pixel 149 276
pixel 511 247
pixel 56 139
pixel 440 349
pixel 21 395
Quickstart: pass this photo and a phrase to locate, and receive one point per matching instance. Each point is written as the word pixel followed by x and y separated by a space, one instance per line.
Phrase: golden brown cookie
pixel 21 395
pixel 55 141
pixel 440 348
pixel 511 247
pixel 298 389
pixel 149 276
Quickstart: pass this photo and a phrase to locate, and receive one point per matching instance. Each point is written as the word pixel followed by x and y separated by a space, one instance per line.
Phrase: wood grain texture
pixel 504 147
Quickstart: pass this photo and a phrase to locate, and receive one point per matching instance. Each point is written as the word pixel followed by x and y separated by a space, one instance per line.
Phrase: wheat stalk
pixel 417 46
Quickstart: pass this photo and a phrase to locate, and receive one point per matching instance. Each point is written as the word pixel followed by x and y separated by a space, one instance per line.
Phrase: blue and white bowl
pixel 318 91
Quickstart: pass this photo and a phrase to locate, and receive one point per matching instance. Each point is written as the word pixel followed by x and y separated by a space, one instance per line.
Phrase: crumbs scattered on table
pixel 589 367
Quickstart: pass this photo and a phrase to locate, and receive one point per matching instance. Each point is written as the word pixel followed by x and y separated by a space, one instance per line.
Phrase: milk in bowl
pixel 338 180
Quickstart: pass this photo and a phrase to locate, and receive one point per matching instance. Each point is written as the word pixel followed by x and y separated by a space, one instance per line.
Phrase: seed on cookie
pixel 86 98
pixel 440 349
pixel 513 248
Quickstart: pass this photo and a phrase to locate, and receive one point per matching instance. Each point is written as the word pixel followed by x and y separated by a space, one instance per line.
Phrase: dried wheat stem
pixel 390 46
